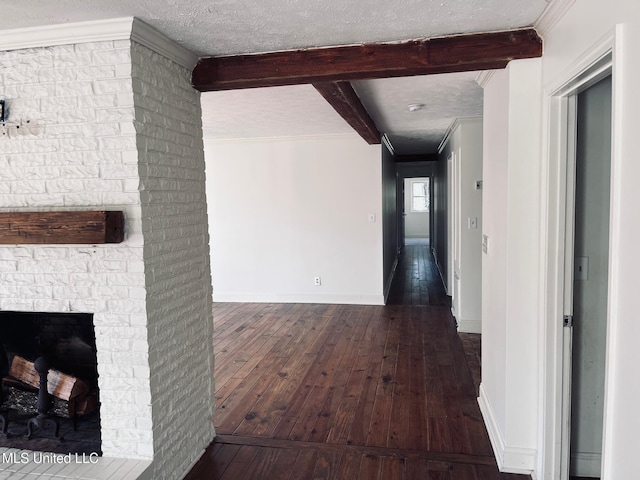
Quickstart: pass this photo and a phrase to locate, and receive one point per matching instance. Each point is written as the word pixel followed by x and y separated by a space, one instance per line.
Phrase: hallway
pixel 347 391
pixel 417 280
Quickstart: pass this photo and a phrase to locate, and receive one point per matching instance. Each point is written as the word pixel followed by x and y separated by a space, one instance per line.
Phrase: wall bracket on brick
pixel 81 227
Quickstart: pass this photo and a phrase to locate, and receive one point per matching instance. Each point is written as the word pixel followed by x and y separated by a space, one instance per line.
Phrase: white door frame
pixel 599 61
pixel 451 203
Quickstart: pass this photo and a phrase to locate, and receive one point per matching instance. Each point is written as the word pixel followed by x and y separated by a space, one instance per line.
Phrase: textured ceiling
pixel 296 110
pixel 219 27
pixel 445 97
pixel 299 110
pixel 226 27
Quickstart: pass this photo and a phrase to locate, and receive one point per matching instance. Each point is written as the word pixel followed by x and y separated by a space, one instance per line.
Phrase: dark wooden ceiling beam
pixel 479 51
pixel 343 98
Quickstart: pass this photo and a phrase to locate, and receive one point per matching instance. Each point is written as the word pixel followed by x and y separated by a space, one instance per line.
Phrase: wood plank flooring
pixel 344 392
pixel 417 279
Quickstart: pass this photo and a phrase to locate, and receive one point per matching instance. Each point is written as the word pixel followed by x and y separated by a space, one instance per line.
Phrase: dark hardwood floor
pixel 417 280
pixel 344 392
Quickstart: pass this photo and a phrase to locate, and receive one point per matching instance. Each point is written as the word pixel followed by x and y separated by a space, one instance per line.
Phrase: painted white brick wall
pixel 79 151
pixel 174 223
pixel 116 126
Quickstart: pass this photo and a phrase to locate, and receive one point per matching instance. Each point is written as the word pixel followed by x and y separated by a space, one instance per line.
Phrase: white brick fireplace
pixel 114 125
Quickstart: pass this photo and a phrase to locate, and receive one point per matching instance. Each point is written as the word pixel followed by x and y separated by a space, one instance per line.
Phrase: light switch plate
pixel 581 268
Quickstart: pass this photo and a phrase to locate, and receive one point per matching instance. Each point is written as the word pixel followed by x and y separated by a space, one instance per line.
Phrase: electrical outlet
pixel 317 281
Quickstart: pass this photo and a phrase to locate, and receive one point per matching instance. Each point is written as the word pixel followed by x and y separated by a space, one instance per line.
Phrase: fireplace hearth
pixel 50 397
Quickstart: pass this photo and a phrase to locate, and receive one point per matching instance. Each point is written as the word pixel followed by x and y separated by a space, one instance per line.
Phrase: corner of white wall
pixel 511 267
pixel 509 459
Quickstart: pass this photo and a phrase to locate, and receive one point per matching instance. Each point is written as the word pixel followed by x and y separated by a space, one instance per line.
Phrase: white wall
pixel 465 141
pixel 284 210
pixel 416 224
pixel 511 212
pixel 519 336
pixel 494 262
pixel 176 253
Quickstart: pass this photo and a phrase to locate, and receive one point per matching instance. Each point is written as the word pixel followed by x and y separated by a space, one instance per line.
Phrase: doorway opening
pixel 416 210
pixel 588 314
pixel 578 306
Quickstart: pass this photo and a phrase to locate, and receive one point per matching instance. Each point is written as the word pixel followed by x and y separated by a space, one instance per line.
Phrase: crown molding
pixel 66 34
pixel 146 35
pixel 452 128
pixel 387 143
pixel 208 139
pixel 483 77
pixel 551 15
pixel 128 28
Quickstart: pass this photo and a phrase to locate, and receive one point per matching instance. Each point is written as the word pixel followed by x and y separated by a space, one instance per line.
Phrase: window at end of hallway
pixel 420 196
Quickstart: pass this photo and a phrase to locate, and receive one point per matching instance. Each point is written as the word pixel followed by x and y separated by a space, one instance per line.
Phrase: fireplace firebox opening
pixel 57 350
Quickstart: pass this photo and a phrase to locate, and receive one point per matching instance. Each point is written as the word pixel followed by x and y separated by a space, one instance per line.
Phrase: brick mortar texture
pixel 79 151
pixel 176 251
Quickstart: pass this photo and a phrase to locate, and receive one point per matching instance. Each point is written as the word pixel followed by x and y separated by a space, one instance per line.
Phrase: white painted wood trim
pixel 469 326
pixel 586 67
pixel 551 15
pixel 509 459
pixel 148 36
pixel 577 74
pixel 452 128
pixel 495 436
pixel 519 460
pixel 387 287
pixel 484 76
pixel 387 142
pixel 337 299
pixel 435 260
pixel 616 233
pixel 66 34
pixel 128 28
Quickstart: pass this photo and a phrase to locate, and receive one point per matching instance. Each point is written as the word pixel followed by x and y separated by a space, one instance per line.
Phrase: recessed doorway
pixel 416 211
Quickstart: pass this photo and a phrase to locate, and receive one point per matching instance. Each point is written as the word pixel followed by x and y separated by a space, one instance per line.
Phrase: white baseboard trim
pixel 435 259
pixel 586 464
pixel 495 437
pixel 509 459
pixel 469 326
pixel 387 287
pixel 519 460
pixel 337 299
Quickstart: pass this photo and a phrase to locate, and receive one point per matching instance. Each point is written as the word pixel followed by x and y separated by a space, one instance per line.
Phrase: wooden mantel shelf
pixel 71 227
